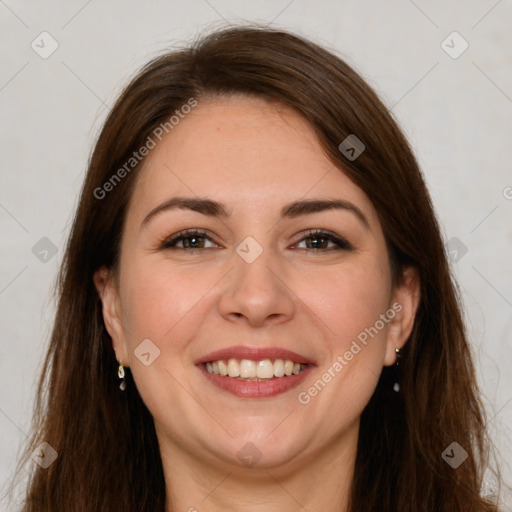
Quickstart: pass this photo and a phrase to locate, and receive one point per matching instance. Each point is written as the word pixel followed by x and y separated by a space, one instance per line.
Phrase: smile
pixel 247 369
pixel 255 372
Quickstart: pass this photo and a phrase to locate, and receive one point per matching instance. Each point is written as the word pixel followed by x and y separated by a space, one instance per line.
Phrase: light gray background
pixel 456 112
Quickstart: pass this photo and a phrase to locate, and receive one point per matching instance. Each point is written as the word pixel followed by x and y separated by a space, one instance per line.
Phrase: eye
pixel 190 239
pixel 319 240
pixel 316 240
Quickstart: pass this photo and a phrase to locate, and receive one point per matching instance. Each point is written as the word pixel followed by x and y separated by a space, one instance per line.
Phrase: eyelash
pixel 342 244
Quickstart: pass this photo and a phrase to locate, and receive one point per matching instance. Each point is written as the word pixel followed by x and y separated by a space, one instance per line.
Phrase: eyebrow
pixel 292 210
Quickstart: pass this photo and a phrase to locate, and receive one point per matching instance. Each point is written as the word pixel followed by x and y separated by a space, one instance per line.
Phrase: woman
pixel 256 310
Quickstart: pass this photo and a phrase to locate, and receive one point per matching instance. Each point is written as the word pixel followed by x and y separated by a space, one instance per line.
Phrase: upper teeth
pixel 248 369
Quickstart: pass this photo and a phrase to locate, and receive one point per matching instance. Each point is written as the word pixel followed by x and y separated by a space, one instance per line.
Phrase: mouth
pixel 258 371
pixel 255 373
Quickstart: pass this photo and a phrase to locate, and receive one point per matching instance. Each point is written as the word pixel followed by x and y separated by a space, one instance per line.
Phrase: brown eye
pixel 188 240
pixel 319 240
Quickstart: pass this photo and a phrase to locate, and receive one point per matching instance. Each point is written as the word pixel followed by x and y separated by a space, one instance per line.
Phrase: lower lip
pixel 255 389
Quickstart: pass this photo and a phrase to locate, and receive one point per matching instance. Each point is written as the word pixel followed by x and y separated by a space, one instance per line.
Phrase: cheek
pixel 355 338
pixel 349 300
pixel 158 300
pixel 165 305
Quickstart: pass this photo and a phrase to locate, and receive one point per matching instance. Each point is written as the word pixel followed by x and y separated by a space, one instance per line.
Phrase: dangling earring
pixel 396 386
pixel 120 374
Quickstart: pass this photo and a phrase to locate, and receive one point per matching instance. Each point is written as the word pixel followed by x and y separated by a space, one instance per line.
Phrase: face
pixel 252 266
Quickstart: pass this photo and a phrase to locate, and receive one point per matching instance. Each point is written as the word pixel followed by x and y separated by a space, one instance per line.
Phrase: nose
pixel 258 293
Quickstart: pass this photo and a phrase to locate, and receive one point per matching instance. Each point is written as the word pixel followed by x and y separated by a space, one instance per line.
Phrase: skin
pixel 254 157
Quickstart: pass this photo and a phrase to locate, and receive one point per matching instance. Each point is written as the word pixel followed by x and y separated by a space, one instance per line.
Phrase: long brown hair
pixel 108 456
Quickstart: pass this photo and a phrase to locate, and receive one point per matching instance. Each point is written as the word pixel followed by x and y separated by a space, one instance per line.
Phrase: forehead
pixel 243 151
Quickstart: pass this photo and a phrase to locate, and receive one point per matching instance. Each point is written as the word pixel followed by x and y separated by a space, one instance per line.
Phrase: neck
pixel 320 480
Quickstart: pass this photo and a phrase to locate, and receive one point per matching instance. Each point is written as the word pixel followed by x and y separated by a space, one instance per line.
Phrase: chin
pixel 261 449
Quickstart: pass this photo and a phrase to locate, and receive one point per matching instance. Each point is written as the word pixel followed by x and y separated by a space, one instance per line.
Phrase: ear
pixel 107 288
pixel 405 301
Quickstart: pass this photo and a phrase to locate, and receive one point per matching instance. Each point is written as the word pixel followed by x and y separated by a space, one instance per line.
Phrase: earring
pixel 120 374
pixel 396 386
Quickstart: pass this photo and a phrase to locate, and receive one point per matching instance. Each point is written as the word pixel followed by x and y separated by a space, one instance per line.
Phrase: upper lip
pixel 255 354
